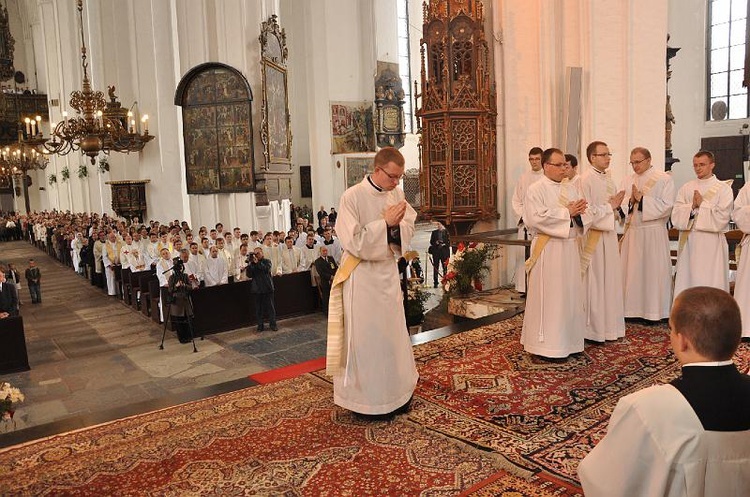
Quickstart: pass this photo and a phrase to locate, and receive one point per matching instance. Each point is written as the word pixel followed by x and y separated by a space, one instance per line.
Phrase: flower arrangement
pixel 9 396
pixel 469 264
pixel 52 179
pixel 83 171
pixel 65 174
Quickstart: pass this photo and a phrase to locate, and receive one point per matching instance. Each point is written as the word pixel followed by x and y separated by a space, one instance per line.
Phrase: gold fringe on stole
pixel 541 241
pixel 589 246
pixel 336 347
pixel 710 194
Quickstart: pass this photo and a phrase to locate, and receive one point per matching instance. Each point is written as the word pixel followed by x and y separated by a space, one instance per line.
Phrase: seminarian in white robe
pixel 704 258
pixel 741 216
pixel 657 446
pixel 519 193
pixel 554 321
pixel 379 375
pixel 605 317
pixel 644 247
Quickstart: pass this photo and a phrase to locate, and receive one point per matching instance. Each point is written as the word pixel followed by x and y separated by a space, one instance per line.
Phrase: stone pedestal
pixel 486 303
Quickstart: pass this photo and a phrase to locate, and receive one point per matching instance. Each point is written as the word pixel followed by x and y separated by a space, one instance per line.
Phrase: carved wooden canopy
pixel 457 115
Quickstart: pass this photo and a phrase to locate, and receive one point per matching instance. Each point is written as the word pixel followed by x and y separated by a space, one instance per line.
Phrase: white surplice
pixel 216 271
pixel 380 374
pixel 704 260
pixel 554 320
pixel 603 301
pixel 644 251
pixel 656 445
pixel 519 193
pixel 741 216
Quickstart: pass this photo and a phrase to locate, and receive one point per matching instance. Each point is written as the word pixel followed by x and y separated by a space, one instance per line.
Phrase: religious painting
pixel 357 167
pixel 275 132
pixel 217 129
pixel 352 129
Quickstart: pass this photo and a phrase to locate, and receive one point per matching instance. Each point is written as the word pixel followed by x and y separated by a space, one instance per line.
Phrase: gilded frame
pixel 275 128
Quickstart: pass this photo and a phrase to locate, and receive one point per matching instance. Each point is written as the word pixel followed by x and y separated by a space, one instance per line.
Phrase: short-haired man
pixel 572 162
pixel 259 271
pixel 701 212
pixel 556 215
pixel 644 248
pixel 601 267
pixel 291 257
pixel 369 351
pixel 8 297
pixel 692 436
pixel 519 193
pixel 34 281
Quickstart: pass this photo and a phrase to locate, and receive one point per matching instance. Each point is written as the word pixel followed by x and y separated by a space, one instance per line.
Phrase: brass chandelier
pixel 98 127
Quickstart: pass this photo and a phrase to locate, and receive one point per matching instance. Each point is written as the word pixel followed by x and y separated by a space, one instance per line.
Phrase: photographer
pixel 180 304
pixel 259 271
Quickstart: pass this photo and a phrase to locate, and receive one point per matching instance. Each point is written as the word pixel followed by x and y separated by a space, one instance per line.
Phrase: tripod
pixel 188 317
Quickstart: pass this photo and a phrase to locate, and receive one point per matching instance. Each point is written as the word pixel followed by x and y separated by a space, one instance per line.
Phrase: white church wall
pixel 623 93
pixel 687 87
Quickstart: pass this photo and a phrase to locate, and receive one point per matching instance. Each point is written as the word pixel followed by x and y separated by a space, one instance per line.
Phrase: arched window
pixel 217 125
pixel 727 98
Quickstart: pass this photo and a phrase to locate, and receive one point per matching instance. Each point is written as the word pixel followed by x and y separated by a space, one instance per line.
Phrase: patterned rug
pixel 284 439
pixel 482 388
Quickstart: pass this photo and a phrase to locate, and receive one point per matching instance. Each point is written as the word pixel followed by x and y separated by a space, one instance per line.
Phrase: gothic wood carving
pixel 457 116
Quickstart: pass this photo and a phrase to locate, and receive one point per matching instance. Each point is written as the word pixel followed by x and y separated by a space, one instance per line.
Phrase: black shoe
pixel 274 328
pixel 259 329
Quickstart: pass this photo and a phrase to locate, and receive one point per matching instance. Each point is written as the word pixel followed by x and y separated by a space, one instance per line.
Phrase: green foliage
pixel 467 267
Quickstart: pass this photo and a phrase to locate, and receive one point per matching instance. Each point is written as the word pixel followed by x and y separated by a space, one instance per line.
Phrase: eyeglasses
pixel 602 155
pixel 393 177
pixel 636 162
pixel 559 164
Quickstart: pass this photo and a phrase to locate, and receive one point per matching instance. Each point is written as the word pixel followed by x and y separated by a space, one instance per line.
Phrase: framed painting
pixel 276 133
pixel 356 168
pixel 352 129
pixel 216 106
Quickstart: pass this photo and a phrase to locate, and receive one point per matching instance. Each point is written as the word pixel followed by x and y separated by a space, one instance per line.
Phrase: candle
pixel 132 125
pixel 33 128
pixel 99 116
pixel 65 117
pixel 38 124
pixel 28 125
pixel 144 120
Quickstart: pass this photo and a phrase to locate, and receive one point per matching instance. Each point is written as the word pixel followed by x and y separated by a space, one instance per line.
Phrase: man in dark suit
pixel 259 271
pixel 691 437
pixel 8 298
pixel 440 251
pixel 326 267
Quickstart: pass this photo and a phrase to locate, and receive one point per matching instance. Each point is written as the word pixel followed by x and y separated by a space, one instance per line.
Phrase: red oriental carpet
pixel 487 419
pixel 286 439
pixel 482 388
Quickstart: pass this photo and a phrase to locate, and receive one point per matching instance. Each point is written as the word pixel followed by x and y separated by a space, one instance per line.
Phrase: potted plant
pixel 416 300
pixel 8 397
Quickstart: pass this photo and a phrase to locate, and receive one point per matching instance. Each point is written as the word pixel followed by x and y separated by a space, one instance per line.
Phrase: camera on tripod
pixel 177 265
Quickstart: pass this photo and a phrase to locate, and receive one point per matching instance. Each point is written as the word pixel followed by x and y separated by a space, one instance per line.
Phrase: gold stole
pixel 336 349
pixel 710 194
pixel 543 238
pixel 738 249
pixel 113 253
pixel 591 240
pixel 646 188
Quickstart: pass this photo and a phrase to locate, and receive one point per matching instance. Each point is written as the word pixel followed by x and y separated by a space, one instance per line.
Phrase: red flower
pixel 451 275
pixel 478 285
pixel 461 246
pixel 472 245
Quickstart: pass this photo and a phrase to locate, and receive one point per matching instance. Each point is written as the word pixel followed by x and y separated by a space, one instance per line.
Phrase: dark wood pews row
pixel 224 307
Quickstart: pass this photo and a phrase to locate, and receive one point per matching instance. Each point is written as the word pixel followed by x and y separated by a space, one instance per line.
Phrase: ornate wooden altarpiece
pixel 457 116
pixel 274 178
pixel 216 103
pixel 129 198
